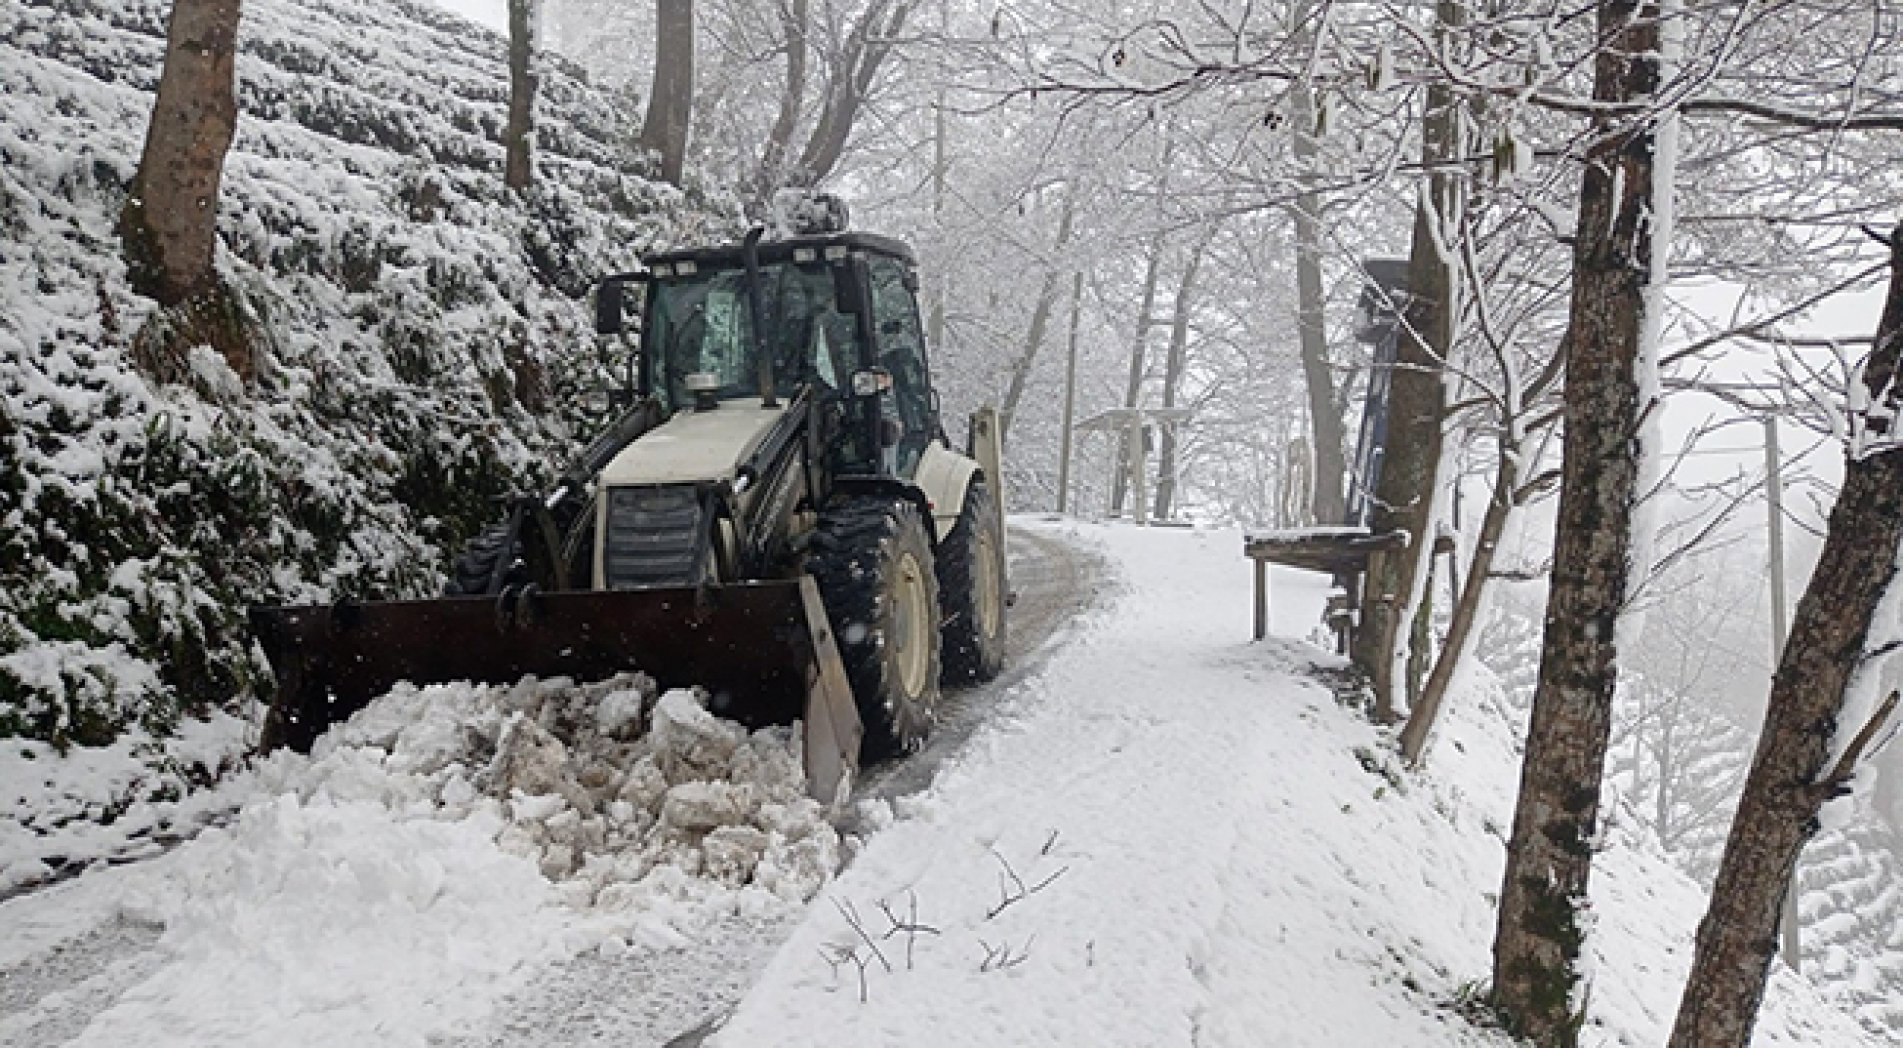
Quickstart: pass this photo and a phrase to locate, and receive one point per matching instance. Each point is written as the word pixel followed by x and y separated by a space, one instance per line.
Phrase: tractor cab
pixel 836 313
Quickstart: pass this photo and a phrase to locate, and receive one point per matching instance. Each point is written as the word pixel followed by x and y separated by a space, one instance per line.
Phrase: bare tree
pixel 1329 504
pixel 1522 427
pixel 793 23
pixel 1410 466
pixel 1807 751
pixel 1549 857
pixel 1040 317
pixel 170 220
pixel 671 102
pixel 1173 364
pixel 518 165
pixel 1145 320
pixel 849 84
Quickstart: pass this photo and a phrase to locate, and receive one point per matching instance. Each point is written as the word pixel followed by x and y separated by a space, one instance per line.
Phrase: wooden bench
pixel 1345 553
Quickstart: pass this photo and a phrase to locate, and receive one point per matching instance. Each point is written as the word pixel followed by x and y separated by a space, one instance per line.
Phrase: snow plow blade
pixel 764 652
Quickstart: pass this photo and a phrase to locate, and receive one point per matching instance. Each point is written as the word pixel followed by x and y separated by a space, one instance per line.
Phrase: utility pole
pixel 1070 393
pixel 1780 629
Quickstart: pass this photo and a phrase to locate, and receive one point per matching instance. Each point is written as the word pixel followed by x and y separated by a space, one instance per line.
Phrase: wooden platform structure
pixel 1345 553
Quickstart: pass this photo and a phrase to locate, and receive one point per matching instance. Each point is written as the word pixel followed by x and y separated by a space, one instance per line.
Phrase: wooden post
pixel 1261 598
pixel 1138 508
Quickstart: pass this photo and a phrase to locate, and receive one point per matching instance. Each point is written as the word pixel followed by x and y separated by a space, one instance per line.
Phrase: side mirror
pixel 609 298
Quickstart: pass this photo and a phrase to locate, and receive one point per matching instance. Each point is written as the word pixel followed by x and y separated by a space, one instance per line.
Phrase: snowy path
pixel 1173 837
pixel 1161 781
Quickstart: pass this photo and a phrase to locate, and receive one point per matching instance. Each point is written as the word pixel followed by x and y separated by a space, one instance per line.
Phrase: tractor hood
pixel 694 445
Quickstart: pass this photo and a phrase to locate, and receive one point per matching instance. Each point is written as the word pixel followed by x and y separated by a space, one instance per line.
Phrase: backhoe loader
pixel 777 516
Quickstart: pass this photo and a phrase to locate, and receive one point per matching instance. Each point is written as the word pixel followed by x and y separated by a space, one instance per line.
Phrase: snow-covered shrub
pixel 419 335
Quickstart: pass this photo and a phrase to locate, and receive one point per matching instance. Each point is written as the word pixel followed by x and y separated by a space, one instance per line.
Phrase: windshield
pixel 702 323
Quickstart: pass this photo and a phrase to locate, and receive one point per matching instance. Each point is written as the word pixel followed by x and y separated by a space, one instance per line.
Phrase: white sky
pixel 492 13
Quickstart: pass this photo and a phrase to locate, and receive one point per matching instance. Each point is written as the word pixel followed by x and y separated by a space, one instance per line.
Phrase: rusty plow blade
pixel 764 652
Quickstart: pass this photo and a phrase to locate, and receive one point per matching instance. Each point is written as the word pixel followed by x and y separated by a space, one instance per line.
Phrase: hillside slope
pixel 426 337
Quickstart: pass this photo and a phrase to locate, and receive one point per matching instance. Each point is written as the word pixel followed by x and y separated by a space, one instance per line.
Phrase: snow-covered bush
pixel 422 334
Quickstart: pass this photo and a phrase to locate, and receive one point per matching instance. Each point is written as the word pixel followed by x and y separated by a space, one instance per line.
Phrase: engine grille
pixel 652 536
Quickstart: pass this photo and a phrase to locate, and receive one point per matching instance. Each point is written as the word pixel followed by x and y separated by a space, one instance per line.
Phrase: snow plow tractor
pixel 776 516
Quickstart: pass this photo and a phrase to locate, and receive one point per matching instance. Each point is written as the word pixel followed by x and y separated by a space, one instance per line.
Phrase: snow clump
pixel 626 797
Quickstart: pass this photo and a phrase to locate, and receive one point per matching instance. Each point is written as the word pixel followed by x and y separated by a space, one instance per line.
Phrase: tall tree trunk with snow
pixel 1328 506
pixel 170 221
pixel 1173 377
pixel 1145 320
pixel 671 101
pixel 517 138
pixel 1410 464
pixel 1805 727
pixel 1609 369
pixel 1139 353
pixel 1040 321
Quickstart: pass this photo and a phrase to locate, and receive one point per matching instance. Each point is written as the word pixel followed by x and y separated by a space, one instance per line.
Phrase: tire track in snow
pixel 50 998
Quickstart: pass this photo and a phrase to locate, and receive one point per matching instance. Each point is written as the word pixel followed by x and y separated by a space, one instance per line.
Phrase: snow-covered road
pixel 1152 834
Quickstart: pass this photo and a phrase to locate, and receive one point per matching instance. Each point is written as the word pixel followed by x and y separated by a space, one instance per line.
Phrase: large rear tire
pixel 971 590
pixel 474 573
pixel 872 561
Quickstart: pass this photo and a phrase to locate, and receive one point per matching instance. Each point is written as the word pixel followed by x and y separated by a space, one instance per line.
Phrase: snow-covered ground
pixel 1166 835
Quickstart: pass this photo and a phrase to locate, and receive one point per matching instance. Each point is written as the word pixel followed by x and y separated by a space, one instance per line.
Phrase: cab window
pixel 902 352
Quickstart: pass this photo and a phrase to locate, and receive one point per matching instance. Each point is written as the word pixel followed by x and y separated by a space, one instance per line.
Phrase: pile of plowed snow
pixel 618 792
pixel 430 856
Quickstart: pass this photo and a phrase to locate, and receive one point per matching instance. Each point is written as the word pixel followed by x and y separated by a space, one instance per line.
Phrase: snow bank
pixel 439 848
pixel 60 813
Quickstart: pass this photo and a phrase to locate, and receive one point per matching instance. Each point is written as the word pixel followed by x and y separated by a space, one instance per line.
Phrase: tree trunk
pixel 1139 346
pixel 170 221
pixel 1040 323
pixel 1549 858
pixel 1173 376
pixel 1410 463
pixel 941 166
pixel 1139 352
pixel 671 102
pixel 1791 778
pixel 1329 506
pixel 1420 719
pixel 772 174
pixel 518 136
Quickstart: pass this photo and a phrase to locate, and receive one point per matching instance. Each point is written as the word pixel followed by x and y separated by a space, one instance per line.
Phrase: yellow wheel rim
pixel 911 618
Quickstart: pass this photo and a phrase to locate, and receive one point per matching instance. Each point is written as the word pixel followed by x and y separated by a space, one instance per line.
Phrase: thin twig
pixel 910 926
pixel 1846 767
pixel 1000 957
pixel 851 914
pixel 1011 887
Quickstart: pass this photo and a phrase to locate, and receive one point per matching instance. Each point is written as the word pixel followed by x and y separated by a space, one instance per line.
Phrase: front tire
pixel 475 574
pixel 872 560
pixel 971 590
